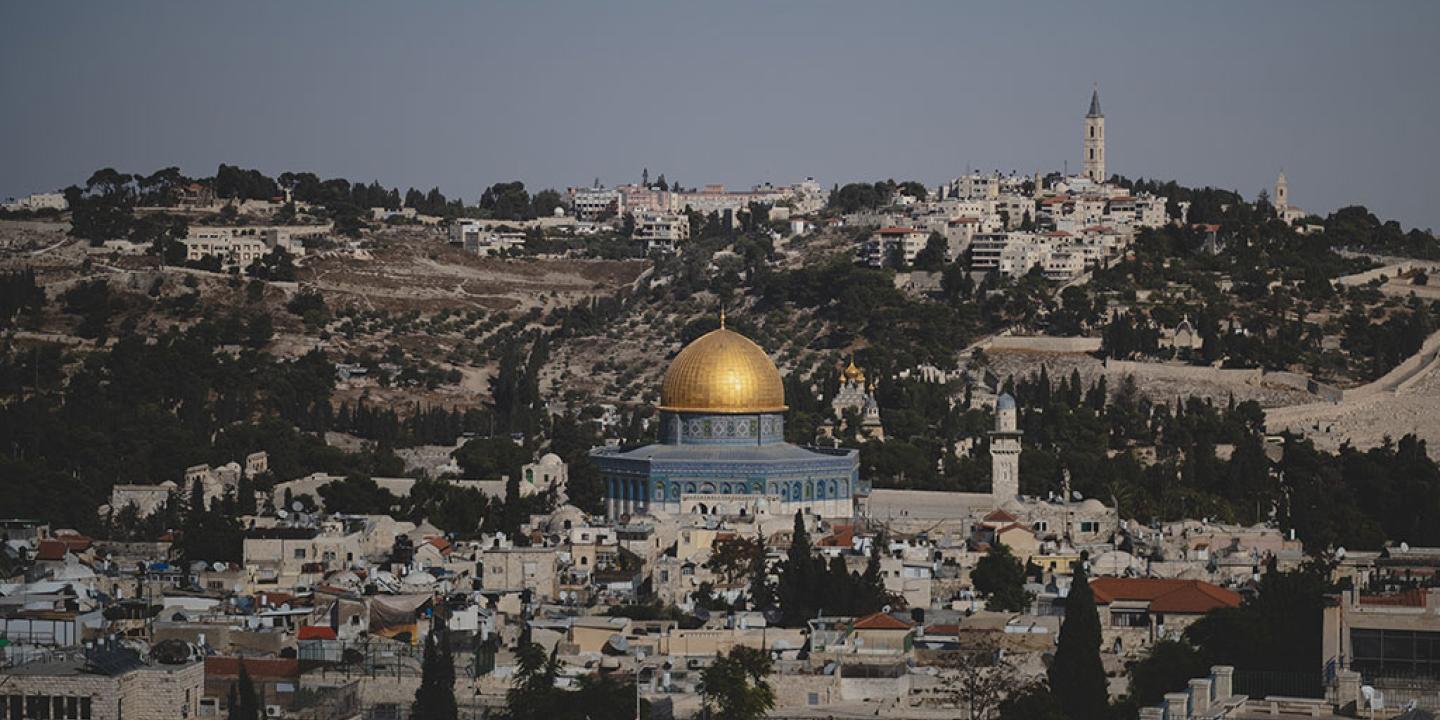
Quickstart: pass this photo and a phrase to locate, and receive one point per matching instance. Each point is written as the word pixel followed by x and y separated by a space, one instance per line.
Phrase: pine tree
pixel 435 698
pixel 1077 676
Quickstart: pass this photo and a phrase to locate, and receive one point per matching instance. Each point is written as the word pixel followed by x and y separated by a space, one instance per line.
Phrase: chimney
pixel 1200 696
pixel 1154 712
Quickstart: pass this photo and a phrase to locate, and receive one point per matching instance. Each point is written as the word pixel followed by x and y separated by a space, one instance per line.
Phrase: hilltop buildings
pixel 242 245
pixel 1063 226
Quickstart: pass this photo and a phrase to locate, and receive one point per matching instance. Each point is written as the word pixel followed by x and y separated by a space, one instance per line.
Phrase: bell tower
pixel 1282 194
pixel 1094 160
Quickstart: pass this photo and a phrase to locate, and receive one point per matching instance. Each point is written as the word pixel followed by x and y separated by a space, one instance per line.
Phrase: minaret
pixel 1095 140
pixel 1005 452
pixel 1282 194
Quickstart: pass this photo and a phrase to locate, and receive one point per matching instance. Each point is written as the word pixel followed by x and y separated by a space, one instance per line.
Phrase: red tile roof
pixel 258 668
pixel 74 540
pixel 51 550
pixel 999 516
pixel 1012 526
pixel 881 621
pixel 844 536
pixel 316 632
pixel 896 230
pixel 1408 598
pixel 1165 595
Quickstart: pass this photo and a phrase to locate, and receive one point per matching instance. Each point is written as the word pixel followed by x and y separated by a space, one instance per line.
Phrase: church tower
pixel 1282 194
pixel 1095 140
pixel 1005 452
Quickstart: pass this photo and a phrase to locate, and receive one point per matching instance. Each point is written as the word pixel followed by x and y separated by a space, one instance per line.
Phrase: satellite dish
pixel 281 514
pixel 1340 553
pixel 297 506
pixel 1404 547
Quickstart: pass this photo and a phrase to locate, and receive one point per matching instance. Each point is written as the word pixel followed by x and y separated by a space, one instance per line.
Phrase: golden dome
pixel 722 372
pixel 853 373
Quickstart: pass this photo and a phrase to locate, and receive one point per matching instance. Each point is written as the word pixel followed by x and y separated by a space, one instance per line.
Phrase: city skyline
pixel 562 94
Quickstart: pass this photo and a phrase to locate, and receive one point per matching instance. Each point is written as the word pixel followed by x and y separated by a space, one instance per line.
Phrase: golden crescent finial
pixel 722 317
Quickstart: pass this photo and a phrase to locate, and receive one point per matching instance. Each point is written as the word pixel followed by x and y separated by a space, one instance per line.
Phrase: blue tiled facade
pixel 727 464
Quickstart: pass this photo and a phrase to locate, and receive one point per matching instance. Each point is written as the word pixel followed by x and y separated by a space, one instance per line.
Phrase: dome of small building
pixel 1092 505
pixel 1005 402
pixel 564 518
pixel 722 372
pixel 550 459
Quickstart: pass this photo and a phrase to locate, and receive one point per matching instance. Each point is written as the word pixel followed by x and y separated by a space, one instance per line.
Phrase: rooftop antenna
pixel 722 317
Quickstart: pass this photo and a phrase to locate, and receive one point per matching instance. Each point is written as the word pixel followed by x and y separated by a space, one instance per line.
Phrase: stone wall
pixel 1195 373
pixel 163 692
pixel 1041 343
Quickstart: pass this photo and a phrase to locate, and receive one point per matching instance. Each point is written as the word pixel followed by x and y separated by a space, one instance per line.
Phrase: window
pixel 84 708
pixel 299 553
pixel 1132 619
pixel 1414 653
pixel 1089 526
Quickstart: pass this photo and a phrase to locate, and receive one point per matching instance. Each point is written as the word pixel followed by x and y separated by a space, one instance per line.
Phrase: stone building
pixel 549 472
pixel 722 448
pixel 101 685
pixel 856 396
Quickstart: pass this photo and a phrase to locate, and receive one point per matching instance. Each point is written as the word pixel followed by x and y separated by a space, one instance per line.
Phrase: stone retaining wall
pixel 1041 343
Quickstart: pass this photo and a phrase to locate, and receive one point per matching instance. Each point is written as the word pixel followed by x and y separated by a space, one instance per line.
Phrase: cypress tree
pixel 243 701
pixel 1077 676
pixel 435 698
pixel 762 596
pixel 798 581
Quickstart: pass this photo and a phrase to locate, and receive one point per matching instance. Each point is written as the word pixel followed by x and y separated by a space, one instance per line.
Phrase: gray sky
pixel 1345 97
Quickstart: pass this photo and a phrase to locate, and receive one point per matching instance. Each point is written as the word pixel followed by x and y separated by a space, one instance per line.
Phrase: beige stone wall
pixel 102 691
pixel 163 692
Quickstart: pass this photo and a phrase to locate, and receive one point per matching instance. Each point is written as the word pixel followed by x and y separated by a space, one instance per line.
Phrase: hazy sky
pixel 1344 97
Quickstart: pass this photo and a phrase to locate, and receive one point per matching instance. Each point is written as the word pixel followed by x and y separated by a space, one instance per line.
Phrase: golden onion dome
pixel 722 372
pixel 853 373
